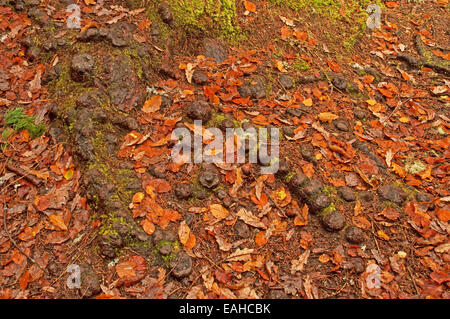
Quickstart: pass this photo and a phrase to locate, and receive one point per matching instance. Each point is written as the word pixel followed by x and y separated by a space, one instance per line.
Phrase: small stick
pixel 19 171
pixel 14 242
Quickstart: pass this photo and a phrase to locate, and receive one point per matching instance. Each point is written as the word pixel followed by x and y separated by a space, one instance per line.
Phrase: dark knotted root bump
pixel 296 182
pixel 347 193
pixel 181 266
pixel 82 67
pixel 183 191
pixel 312 188
pixel 200 77
pixel 319 203
pixel 209 177
pixel 283 167
pixel 199 110
pixel 334 221
pixel 109 245
pixel 392 193
pixel 354 235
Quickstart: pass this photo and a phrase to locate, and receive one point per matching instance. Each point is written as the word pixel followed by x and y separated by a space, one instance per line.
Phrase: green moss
pixel 18 121
pixel 134 60
pixel 165 260
pixel 216 119
pixel 339 15
pixel 135 4
pixel 289 176
pixel 327 210
pixel 300 65
pixel 211 17
pixel 330 190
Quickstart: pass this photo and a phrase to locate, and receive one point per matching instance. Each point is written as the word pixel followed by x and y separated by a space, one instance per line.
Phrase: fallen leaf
pixel 218 211
pixel 260 238
pixel 250 219
pixel 152 105
pixel 249 6
pixel 57 221
pixel 298 264
pixel 327 117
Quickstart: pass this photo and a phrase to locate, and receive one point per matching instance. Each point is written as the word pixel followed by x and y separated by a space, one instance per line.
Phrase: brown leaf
pixel 250 219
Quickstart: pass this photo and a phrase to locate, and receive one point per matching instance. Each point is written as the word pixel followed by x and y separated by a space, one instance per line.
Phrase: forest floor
pixel 359 207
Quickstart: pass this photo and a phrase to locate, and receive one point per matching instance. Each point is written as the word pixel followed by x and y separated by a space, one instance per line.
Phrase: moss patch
pixel 210 17
pixel 18 121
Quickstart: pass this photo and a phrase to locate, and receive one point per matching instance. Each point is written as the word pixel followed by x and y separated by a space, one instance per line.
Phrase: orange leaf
pixel 301 35
pixel 444 215
pixel 324 258
pixel 41 203
pixel 24 280
pixel 191 241
pixel 57 221
pixel 307 102
pixel 250 6
pixel 285 32
pixel 303 220
pixel 260 238
pixel 138 197
pixel 308 169
pixel 383 235
pixel 152 105
pixel 327 117
pixel 148 226
pixel 334 66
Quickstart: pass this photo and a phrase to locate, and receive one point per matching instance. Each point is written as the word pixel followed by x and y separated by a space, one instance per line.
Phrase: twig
pixel 14 242
pixel 19 171
pixel 412 279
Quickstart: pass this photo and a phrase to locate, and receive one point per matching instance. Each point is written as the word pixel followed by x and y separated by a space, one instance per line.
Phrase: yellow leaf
pixel 280 66
pixel 150 190
pixel 404 119
pixel 327 117
pixel 184 232
pixel 138 197
pixel 371 102
pixel 68 174
pixel 57 221
pixel 307 102
pixel 381 234
pixel 218 211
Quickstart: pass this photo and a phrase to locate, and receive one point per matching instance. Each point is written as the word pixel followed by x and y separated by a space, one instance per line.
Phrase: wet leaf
pixel 218 211
pixel 152 105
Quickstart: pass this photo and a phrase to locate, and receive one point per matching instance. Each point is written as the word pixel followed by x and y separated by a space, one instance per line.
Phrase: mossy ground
pixel 216 18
